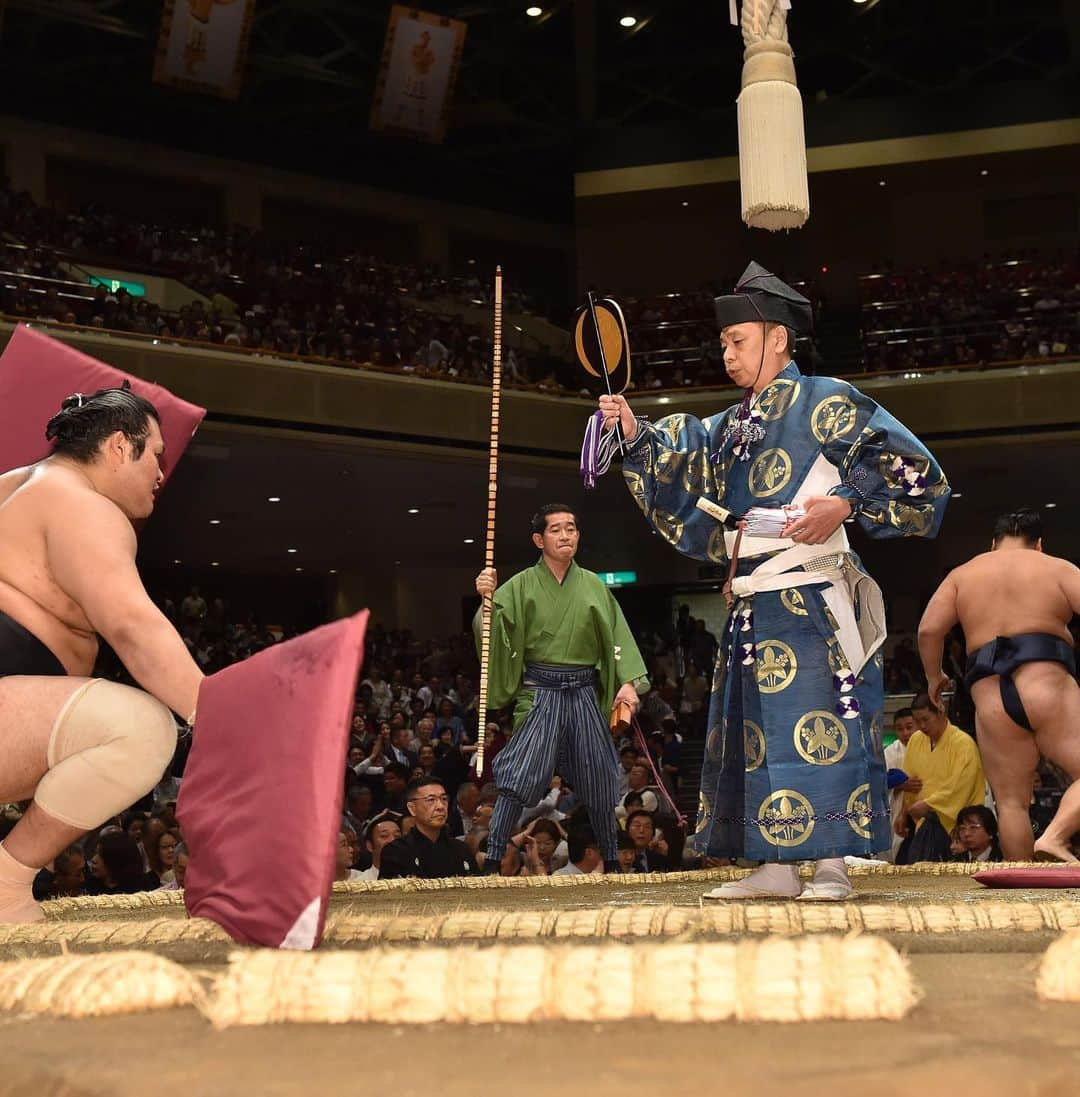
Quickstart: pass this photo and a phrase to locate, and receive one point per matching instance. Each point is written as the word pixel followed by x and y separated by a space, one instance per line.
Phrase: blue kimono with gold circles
pixel 794 766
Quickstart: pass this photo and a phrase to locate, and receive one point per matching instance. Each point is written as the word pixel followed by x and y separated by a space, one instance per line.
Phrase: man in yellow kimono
pixel 948 763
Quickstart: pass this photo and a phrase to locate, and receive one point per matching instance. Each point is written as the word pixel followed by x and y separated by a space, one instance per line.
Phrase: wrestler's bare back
pixel 1012 591
pixel 48 505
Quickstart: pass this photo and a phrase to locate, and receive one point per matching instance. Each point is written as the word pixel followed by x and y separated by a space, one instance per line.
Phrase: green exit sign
pixel 617 578
pixel 135 289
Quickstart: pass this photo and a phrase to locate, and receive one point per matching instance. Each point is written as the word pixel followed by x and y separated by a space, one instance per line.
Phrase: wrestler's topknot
pixel 84 422
pixel 1025 523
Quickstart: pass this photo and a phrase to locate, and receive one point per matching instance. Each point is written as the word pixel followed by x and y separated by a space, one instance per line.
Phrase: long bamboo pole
pixel 489 537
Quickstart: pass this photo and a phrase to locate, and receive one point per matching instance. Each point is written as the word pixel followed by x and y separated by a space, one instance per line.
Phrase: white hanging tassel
pixel 772 140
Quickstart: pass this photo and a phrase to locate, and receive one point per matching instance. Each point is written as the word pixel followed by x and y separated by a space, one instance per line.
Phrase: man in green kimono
pixel 562 652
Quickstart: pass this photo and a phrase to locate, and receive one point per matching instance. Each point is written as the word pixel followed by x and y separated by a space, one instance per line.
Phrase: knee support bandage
pixel 109 747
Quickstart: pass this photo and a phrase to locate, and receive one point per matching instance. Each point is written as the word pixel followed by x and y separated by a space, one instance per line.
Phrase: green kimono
pixel 536 619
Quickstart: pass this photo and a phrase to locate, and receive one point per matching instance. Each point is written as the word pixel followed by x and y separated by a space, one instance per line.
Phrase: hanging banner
pixel 202 45
pixel 416 79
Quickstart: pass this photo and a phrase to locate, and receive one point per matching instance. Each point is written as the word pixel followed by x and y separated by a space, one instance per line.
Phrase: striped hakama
pixel 565 732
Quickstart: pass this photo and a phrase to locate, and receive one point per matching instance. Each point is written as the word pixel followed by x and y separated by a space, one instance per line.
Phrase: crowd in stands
pixel 325 300
pixel 1020 309
pixel 331 301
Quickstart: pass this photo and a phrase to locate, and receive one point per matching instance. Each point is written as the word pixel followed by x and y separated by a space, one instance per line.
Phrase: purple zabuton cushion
pixel 38 373
pixel 260 802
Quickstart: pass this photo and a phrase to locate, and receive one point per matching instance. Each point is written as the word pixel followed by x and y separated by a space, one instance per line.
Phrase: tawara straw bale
pixel 778 979
pixel 142 902
pixel 96 985
pixel 349 927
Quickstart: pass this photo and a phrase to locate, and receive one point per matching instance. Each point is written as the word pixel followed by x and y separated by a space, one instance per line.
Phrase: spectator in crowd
pixel 627 853
pixel 584 853
pixel 947 762
pixel 640 783
pixel 427 850
pixel 977 829
pixel 628 757
pixel 161 855
pixel 180 867
pixel 395 779
pixel 345 855
pixel 899 782
pixel 383 829
pixel 695 691
pixel 650 845
pixel 359 807
pixel 533 851
pixel 69 873
pixel 117 866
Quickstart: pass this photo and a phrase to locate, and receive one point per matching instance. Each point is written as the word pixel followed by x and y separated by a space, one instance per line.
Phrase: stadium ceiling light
pixel 299 569
pixel 685 204
pixel 214 564
pixel 215 521
pixel 333 571
pixel 469 540
pixel 414 510
pixel 958 495
pixel 292 550
pixel 273 498
pixel 881 182
pixel 628 21
pixel 984 172
pixel 534 12
pixel 1049 506
pixel 178 561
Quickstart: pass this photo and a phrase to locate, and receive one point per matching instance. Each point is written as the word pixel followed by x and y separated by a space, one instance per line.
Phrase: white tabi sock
pixel 830 881
pixel 768 881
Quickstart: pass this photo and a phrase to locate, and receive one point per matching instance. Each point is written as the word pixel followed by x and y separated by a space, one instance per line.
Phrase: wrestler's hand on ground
pixel 616 407
pixel 824 516
pixel 935 684
pixel 486 582
pixel 629 694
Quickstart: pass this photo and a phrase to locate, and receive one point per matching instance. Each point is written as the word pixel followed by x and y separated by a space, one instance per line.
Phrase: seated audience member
pixel 359 804
pixel 447 718
pixel 627 852
pixel 650 845
pixel 69 873
pixel 639 781
pixel 628 757
pixel 180 864
pixel 396 778
pixel 466 801
pixel 425 759
pixel 117 867
pixel 427 850
pixel 585 856
pixel 381 831
pixel 977 829
pixel 67 876
pixel 947 762
pixel 345 854
pixel 161 856
pixel 532 851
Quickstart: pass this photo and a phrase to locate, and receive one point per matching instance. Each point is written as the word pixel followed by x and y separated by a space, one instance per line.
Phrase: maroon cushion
pixel 1061 876
pixel 260 801
pixel 37 373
